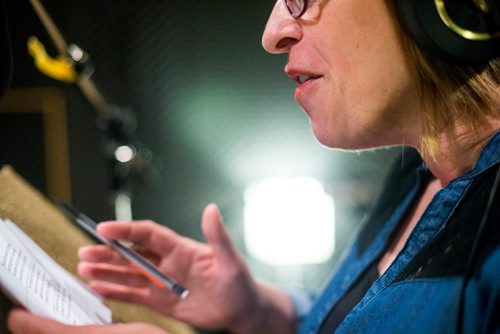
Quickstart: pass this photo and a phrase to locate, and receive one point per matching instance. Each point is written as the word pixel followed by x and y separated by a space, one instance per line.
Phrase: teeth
pixel 303 78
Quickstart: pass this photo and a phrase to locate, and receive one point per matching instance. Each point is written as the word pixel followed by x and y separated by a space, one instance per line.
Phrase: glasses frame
pixel 302 11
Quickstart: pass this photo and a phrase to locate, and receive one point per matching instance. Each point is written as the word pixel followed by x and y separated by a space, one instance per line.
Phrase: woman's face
pixel 352 79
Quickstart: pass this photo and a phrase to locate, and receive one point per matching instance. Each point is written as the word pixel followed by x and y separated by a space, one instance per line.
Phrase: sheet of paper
pixel 39 283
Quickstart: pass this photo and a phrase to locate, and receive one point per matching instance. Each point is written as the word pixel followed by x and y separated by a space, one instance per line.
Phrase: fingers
pixel 217 235
pixel 111 273
pixel 133 328
pixel 151 256
pixel 122 292
pixel 22 322
pixel 154 237
pixel 101 254
pixel 106 254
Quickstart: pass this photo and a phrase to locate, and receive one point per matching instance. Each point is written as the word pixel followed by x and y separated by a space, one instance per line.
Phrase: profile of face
pixel 353 81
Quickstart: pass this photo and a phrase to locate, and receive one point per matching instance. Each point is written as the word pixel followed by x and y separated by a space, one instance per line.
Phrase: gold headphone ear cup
pixel 448 29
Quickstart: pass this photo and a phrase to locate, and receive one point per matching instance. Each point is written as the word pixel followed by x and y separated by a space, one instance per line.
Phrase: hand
pixel 223 294
pixel 22 322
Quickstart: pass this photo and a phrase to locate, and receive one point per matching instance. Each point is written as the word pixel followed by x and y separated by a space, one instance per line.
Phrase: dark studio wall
pixel 215 109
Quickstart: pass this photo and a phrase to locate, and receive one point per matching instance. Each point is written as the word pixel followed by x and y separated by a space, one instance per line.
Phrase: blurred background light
pixel 289 221
pixel 124 153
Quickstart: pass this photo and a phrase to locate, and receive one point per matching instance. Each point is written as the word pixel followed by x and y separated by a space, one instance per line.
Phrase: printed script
pixel 33 279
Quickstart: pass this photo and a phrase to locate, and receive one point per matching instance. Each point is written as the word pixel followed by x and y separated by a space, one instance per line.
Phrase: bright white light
pixel 124 153
pixel 289 221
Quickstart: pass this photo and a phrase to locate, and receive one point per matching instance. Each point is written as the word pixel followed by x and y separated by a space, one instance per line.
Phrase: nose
pixel 282 30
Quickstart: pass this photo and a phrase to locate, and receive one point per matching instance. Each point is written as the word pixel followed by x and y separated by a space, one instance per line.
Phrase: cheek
pixel 366 75
pixel 359 45
pixel 367 80
pixel 357 111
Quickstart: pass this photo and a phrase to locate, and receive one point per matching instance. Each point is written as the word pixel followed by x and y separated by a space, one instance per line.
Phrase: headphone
pixel 458 31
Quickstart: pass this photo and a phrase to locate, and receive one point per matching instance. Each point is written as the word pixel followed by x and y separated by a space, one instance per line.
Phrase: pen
pixel 137 260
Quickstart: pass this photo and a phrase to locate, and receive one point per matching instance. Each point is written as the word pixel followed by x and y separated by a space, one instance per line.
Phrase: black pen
pixel 139 262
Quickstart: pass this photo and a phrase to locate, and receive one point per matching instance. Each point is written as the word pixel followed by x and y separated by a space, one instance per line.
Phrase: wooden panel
pixel 37 114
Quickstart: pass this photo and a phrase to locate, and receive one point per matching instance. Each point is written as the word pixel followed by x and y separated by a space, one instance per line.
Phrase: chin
pixel 331 141
pixel 331 138
pixel 341 141
pixel 334 135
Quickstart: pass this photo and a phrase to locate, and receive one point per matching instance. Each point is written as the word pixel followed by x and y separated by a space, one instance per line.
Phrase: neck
pixel 458 152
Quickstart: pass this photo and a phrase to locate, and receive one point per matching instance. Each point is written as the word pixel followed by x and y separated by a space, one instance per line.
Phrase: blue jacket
pixel 425 289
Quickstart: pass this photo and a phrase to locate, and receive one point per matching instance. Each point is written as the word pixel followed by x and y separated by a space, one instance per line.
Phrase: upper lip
pixel 300 76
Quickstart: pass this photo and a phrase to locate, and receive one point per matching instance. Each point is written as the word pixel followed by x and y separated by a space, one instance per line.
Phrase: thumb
pixel 216 234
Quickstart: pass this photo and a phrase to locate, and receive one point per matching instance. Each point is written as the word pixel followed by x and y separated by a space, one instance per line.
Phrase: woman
pixel 428 257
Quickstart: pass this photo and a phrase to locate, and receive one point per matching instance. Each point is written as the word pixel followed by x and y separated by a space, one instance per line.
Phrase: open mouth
pixel 303 78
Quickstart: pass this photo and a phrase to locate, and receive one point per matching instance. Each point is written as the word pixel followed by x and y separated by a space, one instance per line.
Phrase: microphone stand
pixel 126 158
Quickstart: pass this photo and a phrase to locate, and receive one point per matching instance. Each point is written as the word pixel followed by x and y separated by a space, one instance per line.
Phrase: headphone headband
pixel 463 31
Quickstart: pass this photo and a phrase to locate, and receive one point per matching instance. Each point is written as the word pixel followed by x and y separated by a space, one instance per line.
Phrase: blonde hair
pixel 451 92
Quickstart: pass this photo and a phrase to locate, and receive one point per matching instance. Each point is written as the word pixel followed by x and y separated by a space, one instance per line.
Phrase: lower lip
pixel 301 89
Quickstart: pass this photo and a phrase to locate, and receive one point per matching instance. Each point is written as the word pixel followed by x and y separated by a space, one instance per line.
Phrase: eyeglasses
pixel 297 7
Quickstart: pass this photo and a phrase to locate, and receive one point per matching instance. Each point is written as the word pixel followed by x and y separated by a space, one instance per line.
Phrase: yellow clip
pixel 59 68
